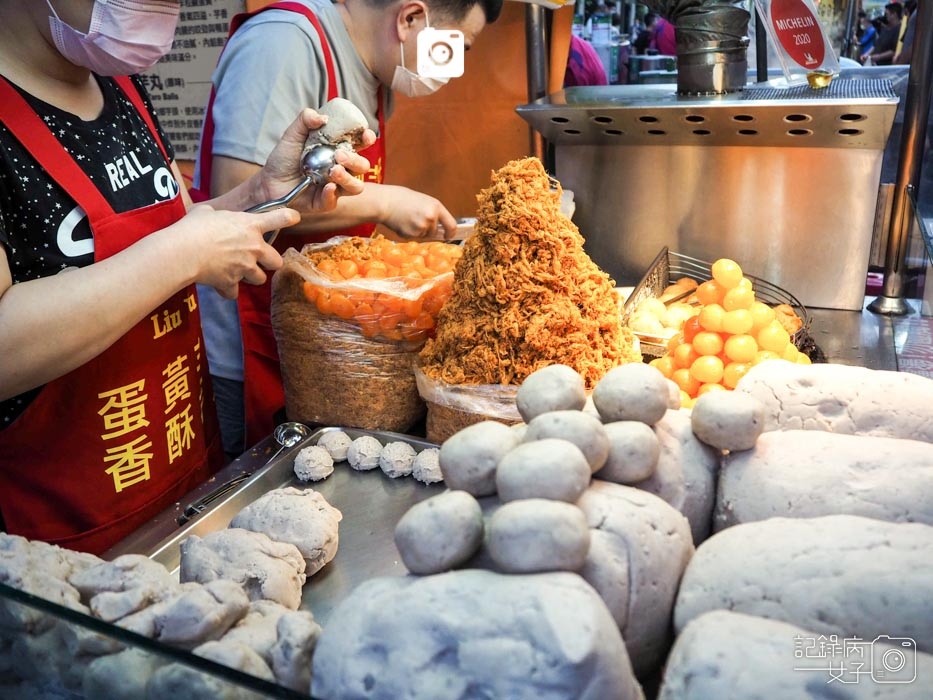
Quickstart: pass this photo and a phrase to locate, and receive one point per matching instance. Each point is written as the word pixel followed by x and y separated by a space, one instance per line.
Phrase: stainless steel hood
pixel 782 179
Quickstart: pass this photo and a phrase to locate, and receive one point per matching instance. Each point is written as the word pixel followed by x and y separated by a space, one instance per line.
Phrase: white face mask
pixel 410 83
pixel 125 37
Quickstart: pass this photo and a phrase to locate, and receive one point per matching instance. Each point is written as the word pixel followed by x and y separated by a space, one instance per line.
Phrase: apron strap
pixel 33 133
pixel 205 163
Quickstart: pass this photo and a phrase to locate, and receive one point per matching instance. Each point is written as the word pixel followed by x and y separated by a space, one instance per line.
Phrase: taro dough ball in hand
pixel 345 125
pixel 552 388
pixel 633 391
pixel 582 429
pixel 728 420
pixel 470 456
pixel 440 533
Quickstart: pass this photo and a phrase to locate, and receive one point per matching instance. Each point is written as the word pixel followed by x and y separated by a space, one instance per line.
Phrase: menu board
pixel 180 84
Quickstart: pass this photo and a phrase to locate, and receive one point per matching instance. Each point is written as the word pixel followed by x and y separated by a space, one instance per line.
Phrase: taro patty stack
pixel 525 293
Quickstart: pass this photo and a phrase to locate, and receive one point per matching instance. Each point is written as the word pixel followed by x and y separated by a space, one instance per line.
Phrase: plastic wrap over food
pixel 452 407
pixel 385 290
pixel 336 371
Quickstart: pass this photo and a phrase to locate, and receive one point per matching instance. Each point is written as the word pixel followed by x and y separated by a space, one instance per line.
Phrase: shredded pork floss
pixel 525 293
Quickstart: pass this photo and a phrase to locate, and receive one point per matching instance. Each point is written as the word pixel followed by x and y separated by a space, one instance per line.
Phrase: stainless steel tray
pixel 370 501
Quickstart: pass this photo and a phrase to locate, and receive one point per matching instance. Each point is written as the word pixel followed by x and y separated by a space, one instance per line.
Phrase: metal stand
pixel 891 301
pixel 761 48
pixel 537 59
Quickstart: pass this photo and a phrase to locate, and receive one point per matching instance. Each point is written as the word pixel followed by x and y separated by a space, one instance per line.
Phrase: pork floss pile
pixel 525 293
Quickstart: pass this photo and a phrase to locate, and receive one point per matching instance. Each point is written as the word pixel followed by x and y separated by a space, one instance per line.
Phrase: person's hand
pixel 413 214
pixel 281 172
pixel 227 247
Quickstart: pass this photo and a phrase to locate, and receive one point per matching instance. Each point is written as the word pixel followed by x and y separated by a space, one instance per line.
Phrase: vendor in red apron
pixel 106 409
pixel 308 52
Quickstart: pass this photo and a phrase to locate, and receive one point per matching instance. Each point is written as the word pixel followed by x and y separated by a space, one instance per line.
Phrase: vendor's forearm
pixel 234 178
pixel 53 325
pixel 367 207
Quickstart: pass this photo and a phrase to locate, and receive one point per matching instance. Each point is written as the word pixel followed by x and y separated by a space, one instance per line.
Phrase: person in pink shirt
pixel 584 66
pixel 664 38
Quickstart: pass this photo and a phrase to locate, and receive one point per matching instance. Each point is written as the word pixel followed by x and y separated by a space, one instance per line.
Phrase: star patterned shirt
pixel 42 230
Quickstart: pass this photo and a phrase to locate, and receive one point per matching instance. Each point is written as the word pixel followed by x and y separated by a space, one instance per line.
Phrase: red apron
pixel 262 383
pixel 103 449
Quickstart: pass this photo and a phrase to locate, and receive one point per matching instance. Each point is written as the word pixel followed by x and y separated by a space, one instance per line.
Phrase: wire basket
pixel 669 266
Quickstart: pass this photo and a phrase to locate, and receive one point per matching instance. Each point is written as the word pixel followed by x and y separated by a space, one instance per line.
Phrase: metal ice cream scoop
pixel 316 163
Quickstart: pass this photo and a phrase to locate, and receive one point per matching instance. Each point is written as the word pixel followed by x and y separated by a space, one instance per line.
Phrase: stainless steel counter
pixel 370 501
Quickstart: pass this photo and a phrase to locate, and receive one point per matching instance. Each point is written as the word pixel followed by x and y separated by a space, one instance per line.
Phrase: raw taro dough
pixel 827 474
pixel 839 574
pixel 300 516
pixel 552 388
pixel 297 635
pixel 547 468
pixel 633 391
pixel 178 681
pixel 267 570
pixel 727 420
pixel 469 457
pixel 639 549
pixel 257 629
pixel 122 676
pixel 440 533
pixel 842 399
pixel 582 429
pixel 36 568
pixel 396 459
pixel 197 613
pixel 536 534
pixel 473 634
pixel 336 442
pixel 634 451
pixel 123 573
pixel 363 453
pixel 725 655
pixel 313 463
pixel 685 475
pixel 345 125
pixel 427 466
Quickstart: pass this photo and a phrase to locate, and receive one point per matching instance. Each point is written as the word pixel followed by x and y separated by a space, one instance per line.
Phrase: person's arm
pixel 907 48
pixel 249 109
pixel 256 184
pixel 52 325
pixel 408 213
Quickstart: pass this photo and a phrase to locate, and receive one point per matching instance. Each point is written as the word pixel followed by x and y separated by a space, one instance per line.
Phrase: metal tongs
pixel 316 163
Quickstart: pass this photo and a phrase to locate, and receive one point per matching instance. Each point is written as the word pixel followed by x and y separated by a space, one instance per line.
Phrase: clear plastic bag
pixel 387 290
pixel 452 407
pixel 332 373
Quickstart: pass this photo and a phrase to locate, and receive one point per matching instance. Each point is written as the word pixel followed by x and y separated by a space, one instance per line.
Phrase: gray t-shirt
pixel 270 70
